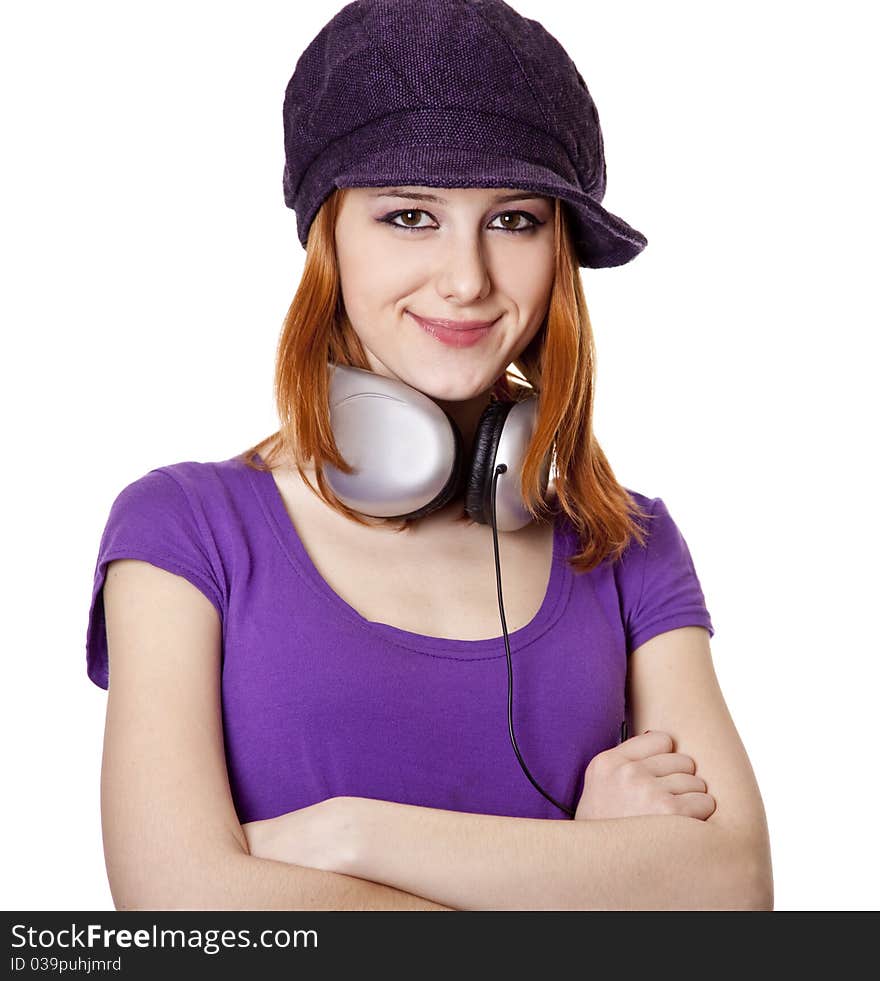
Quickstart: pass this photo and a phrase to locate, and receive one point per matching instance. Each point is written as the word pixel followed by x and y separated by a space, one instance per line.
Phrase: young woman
pixel 312 703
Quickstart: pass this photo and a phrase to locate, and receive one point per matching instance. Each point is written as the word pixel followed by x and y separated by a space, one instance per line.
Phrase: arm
pixel 171 835
pixel 240 881
pixel 476 861
pixel 483 861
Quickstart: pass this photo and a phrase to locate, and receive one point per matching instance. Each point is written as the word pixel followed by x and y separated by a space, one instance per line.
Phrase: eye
pixel 405 214
pixel 529 222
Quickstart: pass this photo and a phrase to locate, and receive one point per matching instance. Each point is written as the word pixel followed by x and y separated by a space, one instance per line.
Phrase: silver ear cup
pixel 405 450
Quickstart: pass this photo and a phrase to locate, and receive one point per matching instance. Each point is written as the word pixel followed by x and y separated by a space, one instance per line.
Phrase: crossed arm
pixel 479 861
pixel 482 862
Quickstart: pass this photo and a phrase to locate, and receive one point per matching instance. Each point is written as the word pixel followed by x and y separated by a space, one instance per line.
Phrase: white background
pixel 148 261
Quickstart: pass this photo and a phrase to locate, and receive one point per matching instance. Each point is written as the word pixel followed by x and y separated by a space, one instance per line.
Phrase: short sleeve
pixel 669 593
pixel 151 519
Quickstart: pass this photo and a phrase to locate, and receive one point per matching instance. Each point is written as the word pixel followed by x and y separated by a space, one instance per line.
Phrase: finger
pixel 698 806
pixel 682 783
pixel 665 763
pixel 646 744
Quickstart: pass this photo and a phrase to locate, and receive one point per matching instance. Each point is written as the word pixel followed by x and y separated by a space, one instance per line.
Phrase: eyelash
pixel 533 222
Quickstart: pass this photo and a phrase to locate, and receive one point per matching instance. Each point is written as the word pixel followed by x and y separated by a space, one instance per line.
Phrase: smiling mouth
pixel 461 334
pixel 453 324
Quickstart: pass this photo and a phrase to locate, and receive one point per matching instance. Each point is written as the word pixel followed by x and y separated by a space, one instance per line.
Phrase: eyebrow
pixel 416 196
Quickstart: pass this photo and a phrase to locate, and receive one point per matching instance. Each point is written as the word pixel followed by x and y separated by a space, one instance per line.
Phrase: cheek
pixel 371 293
pixel 536 321
pixel 379 276
pixel 527 279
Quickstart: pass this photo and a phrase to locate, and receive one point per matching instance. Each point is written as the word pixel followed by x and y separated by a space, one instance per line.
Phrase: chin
pixel 442 383
pixel 443 389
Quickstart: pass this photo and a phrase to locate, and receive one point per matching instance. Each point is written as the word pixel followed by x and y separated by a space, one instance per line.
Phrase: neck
pixel 466 415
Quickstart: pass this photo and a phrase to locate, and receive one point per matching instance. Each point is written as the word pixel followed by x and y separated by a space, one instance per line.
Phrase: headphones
pixel 408 453
pixel 408 461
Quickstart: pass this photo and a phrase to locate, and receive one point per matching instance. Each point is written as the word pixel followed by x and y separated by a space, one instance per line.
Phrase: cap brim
pixel 600 238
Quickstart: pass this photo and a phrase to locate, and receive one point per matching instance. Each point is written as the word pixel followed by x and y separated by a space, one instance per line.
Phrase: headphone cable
pixel 502 468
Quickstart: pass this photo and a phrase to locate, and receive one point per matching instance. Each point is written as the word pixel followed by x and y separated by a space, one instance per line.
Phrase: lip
pixel 455 333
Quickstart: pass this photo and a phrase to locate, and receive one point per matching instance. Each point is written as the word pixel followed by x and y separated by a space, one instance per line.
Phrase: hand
pixel 643 776
pixel 316 836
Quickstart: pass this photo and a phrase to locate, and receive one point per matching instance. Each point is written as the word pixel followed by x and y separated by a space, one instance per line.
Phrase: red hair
pixel 558 365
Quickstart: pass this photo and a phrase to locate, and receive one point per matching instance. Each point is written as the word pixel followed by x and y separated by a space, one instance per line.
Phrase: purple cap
pixel 448 93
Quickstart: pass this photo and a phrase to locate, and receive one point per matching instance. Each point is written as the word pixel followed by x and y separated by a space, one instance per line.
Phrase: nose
pixel 464 276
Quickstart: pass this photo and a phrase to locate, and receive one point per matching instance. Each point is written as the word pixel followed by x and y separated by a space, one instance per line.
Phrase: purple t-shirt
pixel 319 702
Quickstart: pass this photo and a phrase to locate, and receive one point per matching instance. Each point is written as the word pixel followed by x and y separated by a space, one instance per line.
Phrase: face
pixel 454 254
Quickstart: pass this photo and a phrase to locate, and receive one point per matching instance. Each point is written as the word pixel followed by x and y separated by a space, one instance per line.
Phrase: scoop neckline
pixel 552 606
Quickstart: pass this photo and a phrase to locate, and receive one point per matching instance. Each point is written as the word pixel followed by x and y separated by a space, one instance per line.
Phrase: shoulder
pixel 644 502
pixel 658 582
pixel 190 481
pixel 655 521
pixel 163 479
pixel 169 509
